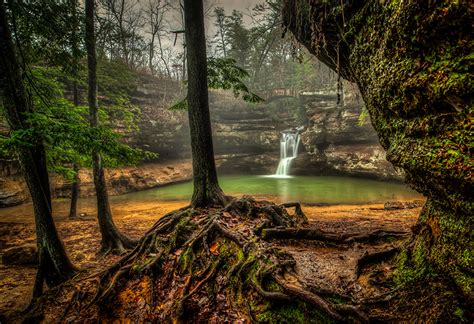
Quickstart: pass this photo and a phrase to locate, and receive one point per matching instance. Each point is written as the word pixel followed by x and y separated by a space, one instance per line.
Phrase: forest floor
pixel 321 266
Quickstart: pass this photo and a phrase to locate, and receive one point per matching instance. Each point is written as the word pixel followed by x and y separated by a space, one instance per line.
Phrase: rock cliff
pixel 246 141
pixel 412 61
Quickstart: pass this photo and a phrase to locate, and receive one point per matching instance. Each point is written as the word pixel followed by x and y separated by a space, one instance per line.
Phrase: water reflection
pixel 326 190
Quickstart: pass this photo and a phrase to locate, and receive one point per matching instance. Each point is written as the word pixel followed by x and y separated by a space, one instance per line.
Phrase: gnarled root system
pixel 205 264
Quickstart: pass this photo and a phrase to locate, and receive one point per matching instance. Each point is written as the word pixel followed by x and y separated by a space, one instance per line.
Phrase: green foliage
pixel 45 30
pixel 116 81
pixel 363 116
pixel 296 312
pixel 179 105
pixel 64 129
pixel 223 73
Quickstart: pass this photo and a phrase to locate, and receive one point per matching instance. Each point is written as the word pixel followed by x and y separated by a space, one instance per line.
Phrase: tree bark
pixel 206 187
pixel 54 264
pixel 75 93
pixel 112 239
pixel 74 193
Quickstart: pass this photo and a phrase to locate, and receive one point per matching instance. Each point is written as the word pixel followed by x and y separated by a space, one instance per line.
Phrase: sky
pixel 230 5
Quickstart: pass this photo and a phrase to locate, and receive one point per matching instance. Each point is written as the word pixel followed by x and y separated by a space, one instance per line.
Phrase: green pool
pixel 324 190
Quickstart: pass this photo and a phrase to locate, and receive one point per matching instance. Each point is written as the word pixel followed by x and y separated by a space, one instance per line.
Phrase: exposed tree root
pixel 370 258
pixel 200 264
pixel 318 235
pixel 117 244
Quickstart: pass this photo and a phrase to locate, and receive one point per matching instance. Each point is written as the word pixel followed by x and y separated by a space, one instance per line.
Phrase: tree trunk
pixel 74 193
pixel 162 56
pixel 54 264
pixel 112 239
pixel 151 55
pixel 75 184
pixel 206 187
pixel 75 93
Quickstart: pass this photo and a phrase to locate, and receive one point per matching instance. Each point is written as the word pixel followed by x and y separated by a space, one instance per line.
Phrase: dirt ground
pixel 82 239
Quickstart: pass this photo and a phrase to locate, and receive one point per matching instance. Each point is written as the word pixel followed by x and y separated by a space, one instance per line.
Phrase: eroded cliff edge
pixel 412 63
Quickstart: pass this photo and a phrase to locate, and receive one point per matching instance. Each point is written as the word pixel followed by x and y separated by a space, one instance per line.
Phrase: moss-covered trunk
pixel 412 62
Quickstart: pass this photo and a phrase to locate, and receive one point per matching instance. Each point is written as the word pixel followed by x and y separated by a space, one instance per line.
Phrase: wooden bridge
pixel 304 96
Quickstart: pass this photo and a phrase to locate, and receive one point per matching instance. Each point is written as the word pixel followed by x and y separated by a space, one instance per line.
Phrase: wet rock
pixel 336 142
pixel 25 255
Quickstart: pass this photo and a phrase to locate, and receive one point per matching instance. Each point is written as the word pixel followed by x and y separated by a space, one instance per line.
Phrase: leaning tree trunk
pixel 54 265
pixel 206 187
pixel 412 63
pixel 112 239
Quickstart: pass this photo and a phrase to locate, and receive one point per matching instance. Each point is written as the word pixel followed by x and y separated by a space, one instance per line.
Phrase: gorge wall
pixel 413 63
pixel 246 137
pixel 246 141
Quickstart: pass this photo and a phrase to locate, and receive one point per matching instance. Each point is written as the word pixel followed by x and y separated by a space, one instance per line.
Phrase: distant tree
pixel 54 264
pixel 238 38
pixel 207 191
pixel 220 38
pixel 155 11
pixel 112 239
pixel 122 26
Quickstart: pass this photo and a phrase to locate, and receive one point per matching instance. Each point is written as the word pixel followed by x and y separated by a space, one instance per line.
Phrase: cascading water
pixel 289 143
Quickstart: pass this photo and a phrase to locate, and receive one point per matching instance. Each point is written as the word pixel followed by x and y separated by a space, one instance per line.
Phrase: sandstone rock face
pixel 127 179
pixel 246 141
pixel 337 142
pixel 246 137
pixel 13 191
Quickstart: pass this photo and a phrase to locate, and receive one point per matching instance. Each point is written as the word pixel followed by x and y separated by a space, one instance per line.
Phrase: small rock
pixel 26 255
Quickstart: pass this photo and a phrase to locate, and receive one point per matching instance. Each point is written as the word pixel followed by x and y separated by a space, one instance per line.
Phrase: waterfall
pixel 289 143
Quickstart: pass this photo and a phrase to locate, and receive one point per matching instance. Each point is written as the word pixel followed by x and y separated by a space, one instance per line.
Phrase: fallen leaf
pixel 214 248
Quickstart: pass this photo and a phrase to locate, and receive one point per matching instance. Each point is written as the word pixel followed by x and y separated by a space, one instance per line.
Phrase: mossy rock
pixel 412 62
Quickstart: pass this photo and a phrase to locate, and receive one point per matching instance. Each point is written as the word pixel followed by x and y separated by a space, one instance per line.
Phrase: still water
pixel 324 190
pixel 309 190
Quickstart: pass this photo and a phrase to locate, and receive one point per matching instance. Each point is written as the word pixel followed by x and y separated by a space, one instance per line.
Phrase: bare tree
pixel 220 24
pixel 124 18
pixel 155 11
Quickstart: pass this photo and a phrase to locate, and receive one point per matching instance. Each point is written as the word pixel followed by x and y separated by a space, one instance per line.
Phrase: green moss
pixel 291 313
pixel 412 62
pixel 459 313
